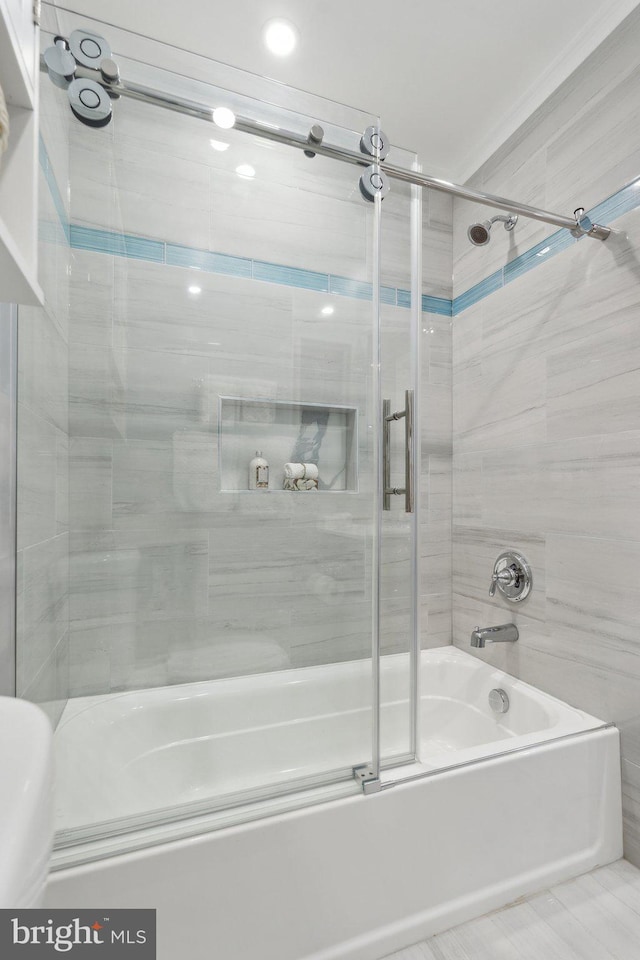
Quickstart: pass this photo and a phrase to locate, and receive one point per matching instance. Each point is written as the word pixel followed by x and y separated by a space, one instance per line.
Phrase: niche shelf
pixel 19 164
pixel 285 432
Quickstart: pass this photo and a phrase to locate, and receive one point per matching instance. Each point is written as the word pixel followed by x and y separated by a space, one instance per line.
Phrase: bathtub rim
pixel 146 873
pixel 134 832
pixel 177 829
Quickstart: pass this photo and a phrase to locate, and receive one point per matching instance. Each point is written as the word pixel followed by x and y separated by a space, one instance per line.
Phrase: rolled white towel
pixel 294 471
pixel 300 471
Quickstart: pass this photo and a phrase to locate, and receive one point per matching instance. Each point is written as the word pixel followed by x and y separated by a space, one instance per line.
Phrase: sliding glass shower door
pixel 233 581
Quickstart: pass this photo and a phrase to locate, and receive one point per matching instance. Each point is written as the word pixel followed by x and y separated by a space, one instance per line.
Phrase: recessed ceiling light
pixel 327 311
pixel 224 118
pixel 219 145
pixel 195 290
pixel 280 37
pixel 246 170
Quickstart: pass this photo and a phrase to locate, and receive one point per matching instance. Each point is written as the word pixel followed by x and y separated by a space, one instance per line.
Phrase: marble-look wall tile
pixel 153 307
pixel 593 616
pixel 175 482
pixel 50 687
pixel 476 549
pixel 288 581
pixel 90 469
pixel 631 809
pixel 137 191
pixel 437 244
pixel 597 154
pixel 43 497
pixel 37 478
pixel 95 392
pixel 199 651
pixel 526 183
pixel 44 605
pixel 93 297
pixel 53 256
pixel 126 575
pixel 395 236
pixel 90 658
pixel 546 162
pixel 546 430
pixel 43 367
pixel 592 384
pixel 436 455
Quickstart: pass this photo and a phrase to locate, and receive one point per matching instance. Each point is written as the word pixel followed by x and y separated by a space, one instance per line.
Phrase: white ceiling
pixel 451 80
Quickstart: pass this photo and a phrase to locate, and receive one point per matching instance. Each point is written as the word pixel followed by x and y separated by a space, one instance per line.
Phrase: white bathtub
pixel 357 877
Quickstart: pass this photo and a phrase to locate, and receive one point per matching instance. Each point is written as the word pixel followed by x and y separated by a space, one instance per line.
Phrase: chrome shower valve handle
pixel 511 576
pixel 504 577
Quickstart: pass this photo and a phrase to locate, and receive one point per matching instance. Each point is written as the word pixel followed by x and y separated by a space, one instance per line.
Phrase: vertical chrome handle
pixel 408 453
pixel 387 417
pixel 386 458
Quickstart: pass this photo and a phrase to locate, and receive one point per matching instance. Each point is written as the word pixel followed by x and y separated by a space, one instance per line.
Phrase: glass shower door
pixel 223 454
pixel 400 303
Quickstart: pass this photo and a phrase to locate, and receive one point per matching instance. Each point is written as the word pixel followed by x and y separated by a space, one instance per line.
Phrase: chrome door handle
pixel 387 417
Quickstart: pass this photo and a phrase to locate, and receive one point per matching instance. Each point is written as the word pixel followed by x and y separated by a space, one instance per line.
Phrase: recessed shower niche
pixel 287 432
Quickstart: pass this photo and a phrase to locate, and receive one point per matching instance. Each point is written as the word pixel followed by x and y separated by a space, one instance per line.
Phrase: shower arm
pixel 579 225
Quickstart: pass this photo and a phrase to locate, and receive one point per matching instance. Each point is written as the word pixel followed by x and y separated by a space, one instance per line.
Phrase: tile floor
pixel 594 917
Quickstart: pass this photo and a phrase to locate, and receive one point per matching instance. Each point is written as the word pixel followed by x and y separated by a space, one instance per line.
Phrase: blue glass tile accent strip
pixel 290 276
pixel 438 305
pixel 56 196
pixel 620 203
pixel 117 244
pixel 157 251
pixel 388 295
pixel 624 201
pixel 356 289
pixel 180 256
pixel 478 292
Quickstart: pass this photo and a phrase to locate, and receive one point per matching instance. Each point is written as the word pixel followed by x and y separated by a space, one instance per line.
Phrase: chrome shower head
pixel 480 233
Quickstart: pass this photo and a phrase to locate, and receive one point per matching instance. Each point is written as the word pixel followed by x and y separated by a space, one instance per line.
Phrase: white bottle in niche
pixel 258 472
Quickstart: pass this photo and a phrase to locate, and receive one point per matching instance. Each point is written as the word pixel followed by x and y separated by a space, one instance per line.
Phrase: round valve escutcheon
pixel 512 577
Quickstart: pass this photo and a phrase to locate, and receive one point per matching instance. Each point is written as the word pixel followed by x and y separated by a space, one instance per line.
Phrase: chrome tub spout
pixel 505 633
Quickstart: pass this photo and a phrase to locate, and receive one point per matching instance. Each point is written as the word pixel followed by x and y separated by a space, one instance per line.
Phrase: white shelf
pixel 19 164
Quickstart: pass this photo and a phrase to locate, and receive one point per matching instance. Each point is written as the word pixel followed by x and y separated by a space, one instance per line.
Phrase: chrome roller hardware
pixel 82 66
pixel 110 72
pixel 375 143
pixel 373 183
pixel 586 228
pixel 60 63
pixel 89 102
pixel 511 576
pixel 316 136
pixel 89 49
